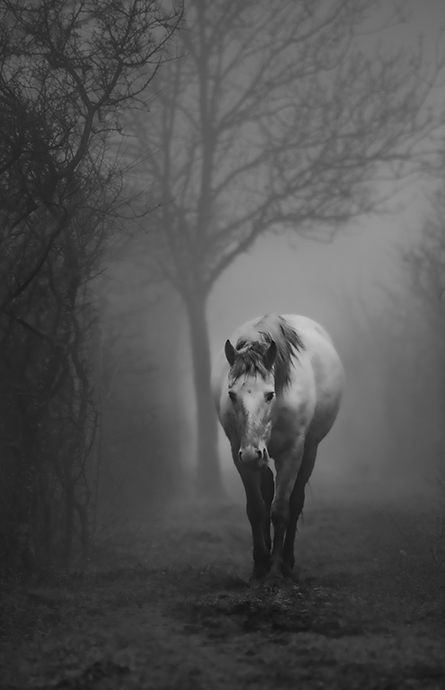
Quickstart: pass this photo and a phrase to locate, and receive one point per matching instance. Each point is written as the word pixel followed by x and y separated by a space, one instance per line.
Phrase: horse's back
pixel 306 327
pixel 322 358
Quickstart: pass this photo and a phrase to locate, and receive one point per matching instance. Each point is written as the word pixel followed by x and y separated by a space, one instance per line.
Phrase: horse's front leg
pixel 287 467
pixel 258 512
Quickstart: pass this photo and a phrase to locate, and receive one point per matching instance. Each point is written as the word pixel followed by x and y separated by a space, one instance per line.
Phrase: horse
pixel 277 393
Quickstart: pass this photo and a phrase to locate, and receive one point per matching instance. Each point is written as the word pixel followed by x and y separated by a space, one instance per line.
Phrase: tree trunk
pixel 85 543
pixel 69 524
pixel 208 480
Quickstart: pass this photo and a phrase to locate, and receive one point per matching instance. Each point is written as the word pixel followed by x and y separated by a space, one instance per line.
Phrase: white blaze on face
pixel 252 402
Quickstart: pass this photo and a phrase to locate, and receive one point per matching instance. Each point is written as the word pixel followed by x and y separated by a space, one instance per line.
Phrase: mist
pixel 168 172
pixel 346 286
pixel 356 284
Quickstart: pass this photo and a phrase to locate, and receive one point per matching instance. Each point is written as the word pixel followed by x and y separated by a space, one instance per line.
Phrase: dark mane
pixel 252 347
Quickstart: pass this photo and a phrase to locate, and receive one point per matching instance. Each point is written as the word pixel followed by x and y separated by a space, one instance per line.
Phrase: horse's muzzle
pixel 254 458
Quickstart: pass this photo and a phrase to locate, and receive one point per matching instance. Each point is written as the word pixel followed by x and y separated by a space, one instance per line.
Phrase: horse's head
pixel 252 398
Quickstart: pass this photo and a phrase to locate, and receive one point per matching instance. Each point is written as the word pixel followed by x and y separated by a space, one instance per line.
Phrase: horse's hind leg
pixel 296 504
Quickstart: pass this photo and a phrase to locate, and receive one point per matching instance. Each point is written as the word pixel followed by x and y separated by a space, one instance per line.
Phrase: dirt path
pixel 174 611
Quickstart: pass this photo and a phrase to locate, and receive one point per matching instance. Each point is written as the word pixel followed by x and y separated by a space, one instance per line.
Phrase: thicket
pixel 68 69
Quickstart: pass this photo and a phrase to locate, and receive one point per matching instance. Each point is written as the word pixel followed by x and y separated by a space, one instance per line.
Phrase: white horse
pixel 277 394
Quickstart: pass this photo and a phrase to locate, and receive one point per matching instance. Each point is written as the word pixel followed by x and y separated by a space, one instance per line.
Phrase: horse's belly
pixel 322 423
pixel 329 394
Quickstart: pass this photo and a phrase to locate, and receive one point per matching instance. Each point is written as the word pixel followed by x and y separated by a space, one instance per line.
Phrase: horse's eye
pixel 269 396
pixel 232 396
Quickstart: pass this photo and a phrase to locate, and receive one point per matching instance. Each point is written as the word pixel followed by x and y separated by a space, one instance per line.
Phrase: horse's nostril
pixel 250 455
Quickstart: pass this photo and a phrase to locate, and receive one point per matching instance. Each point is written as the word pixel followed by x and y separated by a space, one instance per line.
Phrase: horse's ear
pixel 271 355
pixel 230 352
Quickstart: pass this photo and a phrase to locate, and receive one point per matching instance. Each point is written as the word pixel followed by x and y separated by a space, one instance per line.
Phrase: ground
pixel 167 605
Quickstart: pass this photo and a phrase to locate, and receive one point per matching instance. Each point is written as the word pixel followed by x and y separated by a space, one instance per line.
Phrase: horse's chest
pixel 287 427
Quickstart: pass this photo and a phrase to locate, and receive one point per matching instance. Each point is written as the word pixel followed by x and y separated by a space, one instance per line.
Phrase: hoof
pixel 286 570
pixel 256 582
pixel 257 579
pixel 259 572
pixel 273 579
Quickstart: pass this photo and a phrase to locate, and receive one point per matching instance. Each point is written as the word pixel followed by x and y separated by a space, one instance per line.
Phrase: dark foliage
pixel 67 70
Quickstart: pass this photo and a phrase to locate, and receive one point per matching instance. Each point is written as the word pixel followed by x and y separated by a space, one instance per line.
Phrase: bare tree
pixel 68 70
pixel 275 118
pixel 424 267
pixel 403 354
pixel 47 406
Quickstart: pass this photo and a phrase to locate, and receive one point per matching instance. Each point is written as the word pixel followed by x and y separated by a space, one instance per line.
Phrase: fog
pixel 348 285
pixel 171 171
pixel 342 285
pixel 356 285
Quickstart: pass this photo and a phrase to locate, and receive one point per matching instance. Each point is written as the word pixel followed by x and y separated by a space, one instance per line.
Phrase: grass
pixel 366 572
